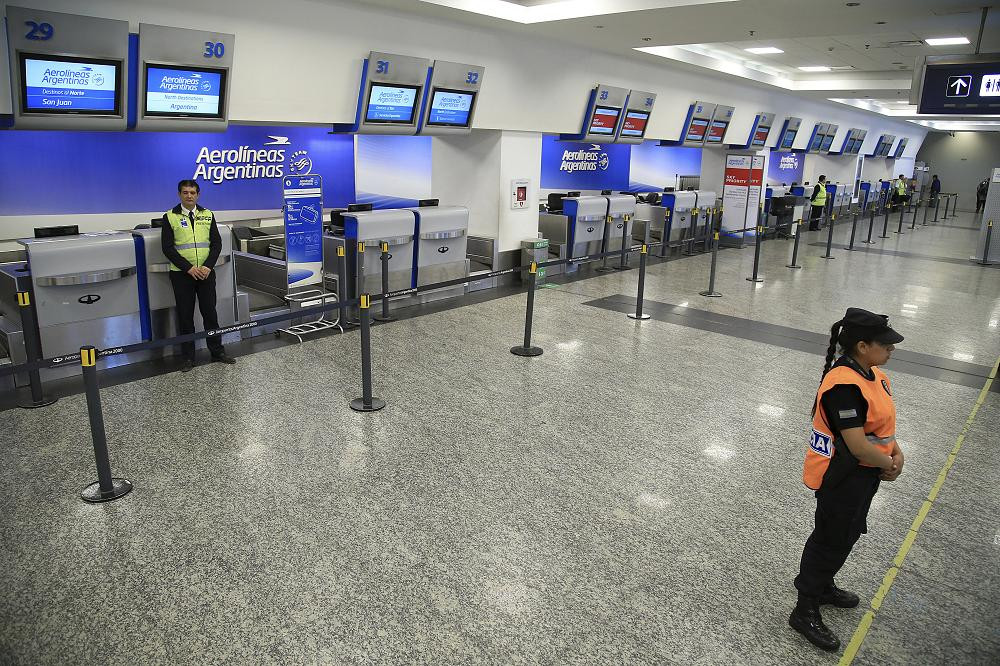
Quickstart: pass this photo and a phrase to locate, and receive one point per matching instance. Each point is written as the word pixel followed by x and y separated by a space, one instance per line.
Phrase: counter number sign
pixel 959 86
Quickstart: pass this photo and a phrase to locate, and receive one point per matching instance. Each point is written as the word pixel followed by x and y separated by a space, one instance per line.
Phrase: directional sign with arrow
pixel 959 86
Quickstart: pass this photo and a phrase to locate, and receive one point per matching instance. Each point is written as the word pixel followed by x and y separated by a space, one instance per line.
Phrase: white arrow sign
pixel 959 86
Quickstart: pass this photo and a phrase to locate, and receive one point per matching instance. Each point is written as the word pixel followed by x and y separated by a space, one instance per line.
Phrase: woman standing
pixel 853 447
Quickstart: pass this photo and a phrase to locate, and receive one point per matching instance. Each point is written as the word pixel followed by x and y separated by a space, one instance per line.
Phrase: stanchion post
pixel 366 403
pixel 626 243
pixel 693 216
pixel 986 246
pixel 342 283
pixel 947 201
pixel 638 315
pixel 711 292
pixel 913 222
pixel 854 229
pixel 795 246
pixel 606 246
pixel 529 313
pixel 756 255
pixel 829 238
pixel 902 214
pixel 937 207
pixel 871 226
pixel 885 222
pixel 106 488
pixel 927 208
pixel 385 316
pixel 29 333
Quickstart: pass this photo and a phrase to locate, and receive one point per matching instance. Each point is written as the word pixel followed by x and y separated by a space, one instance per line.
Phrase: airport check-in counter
pixel 85 292
pixel 442 245
pixel 648 224
pixel 396 227
pixel 158 313
pixel 801 209
pixel 578 231
pixel 864 196
pixel 14 277
pixel 621 212
pixel 679 207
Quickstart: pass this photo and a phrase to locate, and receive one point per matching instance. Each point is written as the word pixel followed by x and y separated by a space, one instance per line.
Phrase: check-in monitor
pixel 788 138
pixel 760 136
pixel 604 120
pixel 816 142
pixel 70 85
pixel 391 103
pixel 634 124
pixel 184 92
pixel 697 130
pixel 716 131
pixel 827 142
pixel 451 108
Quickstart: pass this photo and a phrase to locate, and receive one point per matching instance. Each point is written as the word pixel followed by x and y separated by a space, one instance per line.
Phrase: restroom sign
pixel 959 86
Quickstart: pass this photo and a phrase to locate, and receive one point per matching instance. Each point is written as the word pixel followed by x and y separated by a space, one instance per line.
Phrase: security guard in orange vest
pixel 191 241
pixel 851 450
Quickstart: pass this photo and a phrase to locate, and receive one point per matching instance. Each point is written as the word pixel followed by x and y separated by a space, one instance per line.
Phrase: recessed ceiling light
pixel 946 41
pixel 763 50
pixel 815 68
pixel 598 26
pixel 853 4
pixel 879 22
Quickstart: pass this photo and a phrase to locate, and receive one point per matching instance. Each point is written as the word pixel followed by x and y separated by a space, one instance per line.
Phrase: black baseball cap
pixel 863 324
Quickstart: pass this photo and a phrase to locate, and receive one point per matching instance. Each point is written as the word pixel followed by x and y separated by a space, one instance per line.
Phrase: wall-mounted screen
pixel 185 92
pixel 849 147
pixel 391 103
pixel 716 131
pixel 760 136
pixel 788 138
pixel 605 120
pixel 697 130
pixel 827 142
pixel 451 108
pixel 64 84
pixel 816 142
pixel 635 123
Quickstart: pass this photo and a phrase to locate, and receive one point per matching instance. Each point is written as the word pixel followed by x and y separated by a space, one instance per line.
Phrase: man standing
pixel 818 201
pixel 935 189
pixel 191 241
pixel 899 190
pixel 981 191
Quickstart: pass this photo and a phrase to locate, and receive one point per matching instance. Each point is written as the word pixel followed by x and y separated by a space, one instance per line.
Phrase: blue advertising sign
pixel 65 85
pixel 183 91
pixel 568 165
pixel 391 104
pixel 785 168
pixel 130 172
pixel 303 209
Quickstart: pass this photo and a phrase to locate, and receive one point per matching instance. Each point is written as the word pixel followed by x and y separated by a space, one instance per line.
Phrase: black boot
pixel 835 596
pixel 806 620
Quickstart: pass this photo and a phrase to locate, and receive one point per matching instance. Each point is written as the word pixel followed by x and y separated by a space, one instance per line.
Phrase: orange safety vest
pixel 880 424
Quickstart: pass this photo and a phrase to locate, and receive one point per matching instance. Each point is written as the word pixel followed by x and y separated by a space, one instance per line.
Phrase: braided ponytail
pixel 831 353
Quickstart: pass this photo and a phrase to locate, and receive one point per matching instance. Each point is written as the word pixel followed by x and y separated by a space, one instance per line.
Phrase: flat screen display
pixel 717 131
pixel 971 88
pixel 60 84
pixel 849 147
pixel 697 130
pixel 760 136
pixel 827 142
pixel 817 141
pixel 605 120
pixel 185 92
pixel 789 138
pixel 394 104
pixel 635 123
pixel 451 108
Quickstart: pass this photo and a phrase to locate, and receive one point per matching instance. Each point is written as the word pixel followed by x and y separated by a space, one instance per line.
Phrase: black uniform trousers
pixel 841 518
pixel 186 289
pixel 816 214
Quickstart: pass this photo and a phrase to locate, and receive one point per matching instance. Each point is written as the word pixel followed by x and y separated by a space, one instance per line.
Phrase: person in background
pixel 190 240
pixel 981 191
pixel 935 189
pixel 900 192
pixel 851 450
pixel 818 203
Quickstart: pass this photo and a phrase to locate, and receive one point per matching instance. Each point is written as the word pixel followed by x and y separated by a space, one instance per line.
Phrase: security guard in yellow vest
pixel 818 200
pixel 899 189
pixel 191 241
pixel 852 449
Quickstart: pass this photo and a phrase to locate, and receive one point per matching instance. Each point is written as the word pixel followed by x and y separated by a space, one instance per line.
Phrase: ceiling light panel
pixel 764 50
pixel 815 68
pixel 946 41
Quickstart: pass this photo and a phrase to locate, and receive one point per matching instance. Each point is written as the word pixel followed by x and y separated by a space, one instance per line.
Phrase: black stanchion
pixel 871 225
pixel 106 488
pixel 626 244
pixel 946 202
pixel 927 208
pixel 986 246
pixel 29 332
pixel 829 238
pixel 366 403
pixel 385 316
pixel 756 255
pixel 693 216
pixel 795 246
pixel 605 247
pixel 642 286
pixel 902 214
pixel 854 229
pixel 913 222
pixel 668 226
pixel 937 207
pixel 342 283
pixel 711 292
pixel 885 222
pixel 529 313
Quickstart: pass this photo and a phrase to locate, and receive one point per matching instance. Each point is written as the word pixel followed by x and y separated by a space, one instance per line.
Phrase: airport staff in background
pixel 818 201
pixel 981 191
pixel 900 192
pixel 935 189
pixel 851 450
pixel 191 241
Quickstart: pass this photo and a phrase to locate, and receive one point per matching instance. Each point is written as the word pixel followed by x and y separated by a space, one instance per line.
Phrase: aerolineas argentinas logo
pixel 247 163
pixel 591 159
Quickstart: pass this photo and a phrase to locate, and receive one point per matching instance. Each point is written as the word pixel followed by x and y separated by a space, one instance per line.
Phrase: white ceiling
pixel 875 59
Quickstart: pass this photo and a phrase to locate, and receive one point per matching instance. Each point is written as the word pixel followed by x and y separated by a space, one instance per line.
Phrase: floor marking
pixel 866 622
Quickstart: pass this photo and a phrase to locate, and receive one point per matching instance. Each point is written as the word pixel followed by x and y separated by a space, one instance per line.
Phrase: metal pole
pixel 982 27
pixel 366 403
pixel 986 246
pixel 913 222
pixel 606 246
pixel 795 246
pixel 106 488
pixel 385 316
pixel 342 283
pixel 854 229
pixel 529 313
pixel 756 255
pixel 902 214
pixel 885 222
pixel 668 229
pixel 829 239
pixel 711 292
pixel 937 206
pixel 642 286
pixel 29 333
pixel 626 243
pixel 691 232
pixel 871 225
pixel 946 203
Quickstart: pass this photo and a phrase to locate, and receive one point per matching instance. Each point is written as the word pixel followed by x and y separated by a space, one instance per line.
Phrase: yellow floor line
pixel 866 622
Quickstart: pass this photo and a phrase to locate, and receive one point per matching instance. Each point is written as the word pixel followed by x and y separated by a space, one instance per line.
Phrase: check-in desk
pixel 442 248
pixel 679 206
pixel 158 317
pixel 577 232
pixel 865 196
pixel 371 228
pixel 86 292
pixel 621 212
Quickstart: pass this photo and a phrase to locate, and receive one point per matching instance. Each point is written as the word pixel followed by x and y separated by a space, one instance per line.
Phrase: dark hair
pixel 845 337
pixel 822 178
pixel 187 182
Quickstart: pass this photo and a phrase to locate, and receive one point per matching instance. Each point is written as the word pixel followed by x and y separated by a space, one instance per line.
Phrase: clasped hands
pixel 892 473
pixel 200 272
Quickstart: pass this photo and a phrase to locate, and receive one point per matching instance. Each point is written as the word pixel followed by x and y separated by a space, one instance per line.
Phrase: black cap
pixel 864 324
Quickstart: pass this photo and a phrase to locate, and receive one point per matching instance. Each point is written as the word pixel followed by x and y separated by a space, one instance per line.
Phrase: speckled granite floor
pixel 632 496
